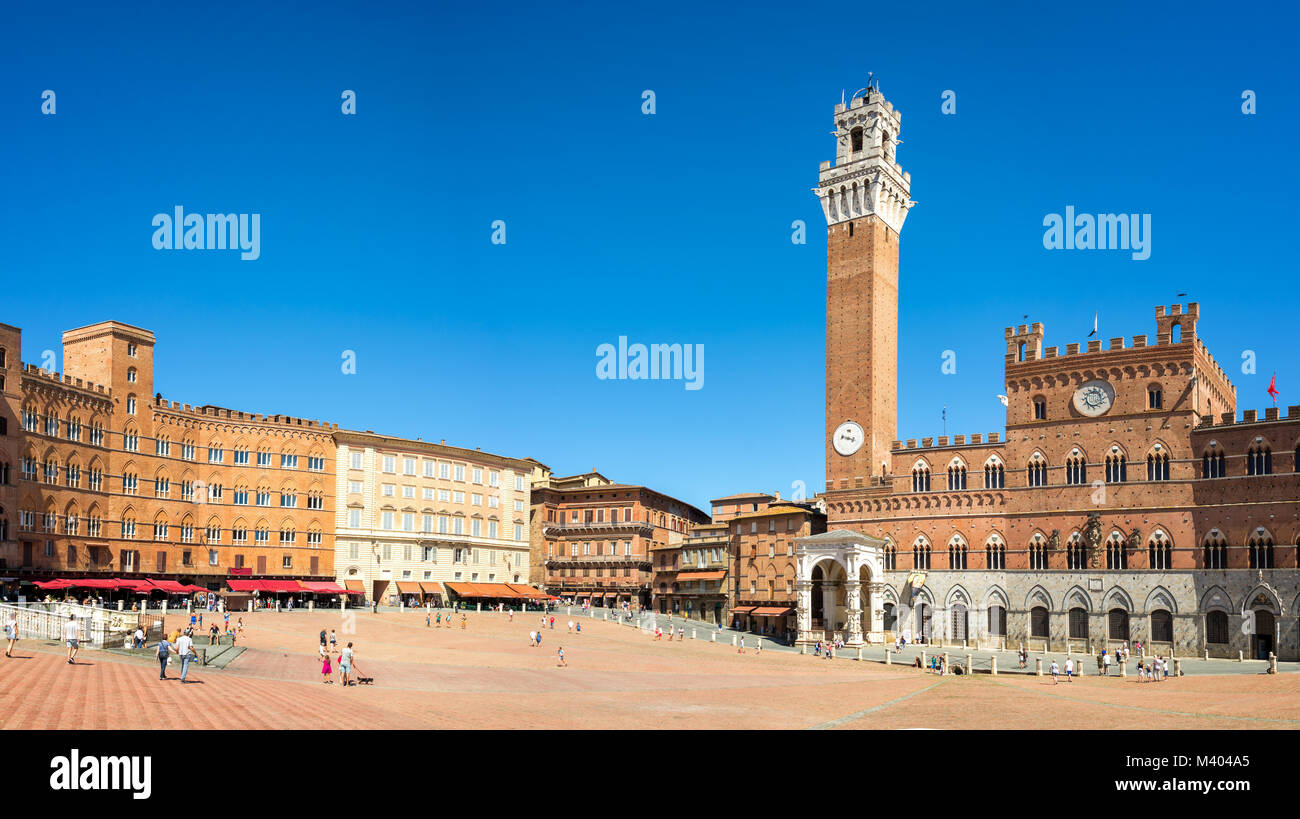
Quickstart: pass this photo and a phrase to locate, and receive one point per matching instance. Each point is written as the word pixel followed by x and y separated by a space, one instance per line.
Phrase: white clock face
pixel 848 438
pixel 1094 398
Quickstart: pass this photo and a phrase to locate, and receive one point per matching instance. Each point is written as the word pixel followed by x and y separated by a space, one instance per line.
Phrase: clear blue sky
pixel 671 228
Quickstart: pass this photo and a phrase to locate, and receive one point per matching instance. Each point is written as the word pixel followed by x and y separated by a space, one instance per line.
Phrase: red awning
pixel 193 588
pixel 93 583
pixel 323 588
pixel 770 611
pixel 170 586
pixel 742 609
pixel 244 585
pixel 281 586
pixel 52 584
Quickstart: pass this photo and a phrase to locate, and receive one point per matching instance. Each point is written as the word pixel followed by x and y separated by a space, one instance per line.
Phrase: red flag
pixel 1272 388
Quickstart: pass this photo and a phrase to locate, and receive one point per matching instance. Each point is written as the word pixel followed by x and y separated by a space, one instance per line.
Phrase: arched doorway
pixel 997 620
pixel 1261 642
pixel 1118 624
pixel 1162 626
pixel 1038 622
pixel 926 630
pixel 959 617
pixel 818 612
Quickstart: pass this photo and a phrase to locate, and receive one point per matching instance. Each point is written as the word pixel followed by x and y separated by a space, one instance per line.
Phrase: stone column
pixel 993 665
pixel 875 610
pixel 803 608
pixel 853 611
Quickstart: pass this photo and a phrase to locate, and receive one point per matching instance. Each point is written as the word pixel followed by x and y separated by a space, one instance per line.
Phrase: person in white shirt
pixel 1069 670
pixel 185 648
pixel 11 632
pixel 139 637
pixel 71 635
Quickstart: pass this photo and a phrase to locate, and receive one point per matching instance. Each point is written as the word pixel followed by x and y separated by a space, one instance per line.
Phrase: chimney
pixel 778 494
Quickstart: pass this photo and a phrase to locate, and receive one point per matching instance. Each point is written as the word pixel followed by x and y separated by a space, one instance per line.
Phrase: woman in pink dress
pixel 327 673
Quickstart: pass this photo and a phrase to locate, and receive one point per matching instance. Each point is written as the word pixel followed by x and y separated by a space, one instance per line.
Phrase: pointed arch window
pixel 956 476
pixel 1038 552
pixel 995 553
pixel 1158 464
pixel 1037 470
pixel 1261 550
pixel 1076 469
pixel 921 554
pixel 920 478
pixel 1116 466
pixel 995 475
pixel 957 553
pixel 1076 552
pixel 1213 462
pixel 1214 555
pixel 1259 460
pixel 891 557
pixel 1159 551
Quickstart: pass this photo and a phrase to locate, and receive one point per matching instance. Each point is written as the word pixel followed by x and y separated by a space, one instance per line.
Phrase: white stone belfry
pixel 838 581
pixel 865 179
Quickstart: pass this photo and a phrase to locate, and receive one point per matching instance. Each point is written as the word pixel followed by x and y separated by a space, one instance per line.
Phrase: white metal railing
pixel 37 622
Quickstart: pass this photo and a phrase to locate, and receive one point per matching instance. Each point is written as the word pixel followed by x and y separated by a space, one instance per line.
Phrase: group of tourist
pixel 345 658
pixel 437 620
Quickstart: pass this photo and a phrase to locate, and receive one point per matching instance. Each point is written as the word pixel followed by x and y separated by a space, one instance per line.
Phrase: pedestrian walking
pixel 532 638
pixel 326 672
pixel 570 626
pixel 464 621
pixel 345 664
pixel 11 632
pixel 1105 659
pixel 71 636
pixel 185 650
pixel 163 654
pixel 559 658
pixel 552 623
pixel 1069 670
pixel 1056 670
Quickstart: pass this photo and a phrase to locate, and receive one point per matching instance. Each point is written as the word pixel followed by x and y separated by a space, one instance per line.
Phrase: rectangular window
pixel 519 531
pixel 354 518
pixel 241 457
pixel 356 460
pixel 408 465
pixel 444 471
pixel 390 463
pixel 386 520
pixel 428 469
pixel 316 464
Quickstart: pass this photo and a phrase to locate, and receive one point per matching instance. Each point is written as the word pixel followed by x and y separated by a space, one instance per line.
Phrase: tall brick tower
pixel 865 196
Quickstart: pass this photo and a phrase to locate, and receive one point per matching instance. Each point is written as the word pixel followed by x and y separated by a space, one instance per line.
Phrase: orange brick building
pixel 594 538
pixel 99 475
pixel 1125 501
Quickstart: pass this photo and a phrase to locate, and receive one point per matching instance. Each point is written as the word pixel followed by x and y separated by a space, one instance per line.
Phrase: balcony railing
pixel 597 526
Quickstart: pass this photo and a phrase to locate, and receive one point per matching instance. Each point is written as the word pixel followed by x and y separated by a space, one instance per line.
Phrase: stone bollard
pixel 164 608
pixel 479 607
pixel 1069 648
pixel 803 648
pixel 1123 669
pixel 120 604
pixel 713 638
pixel 945 664
pixel 189 606
pixel 311 605
pixel 733 639
pixel 970 667
pixel 923 665
pixel 1038 667
pixel 1241 656
pixel 277 605
pixel 250 606
pixel 1272 663
pixel 887 660
pixel 859 653
pixel 993 665
pixel 1178 667
pixel 1044 648
pixel 1207 654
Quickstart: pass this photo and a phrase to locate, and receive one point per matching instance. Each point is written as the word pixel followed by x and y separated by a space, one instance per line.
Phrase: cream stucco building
pixel 414 515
